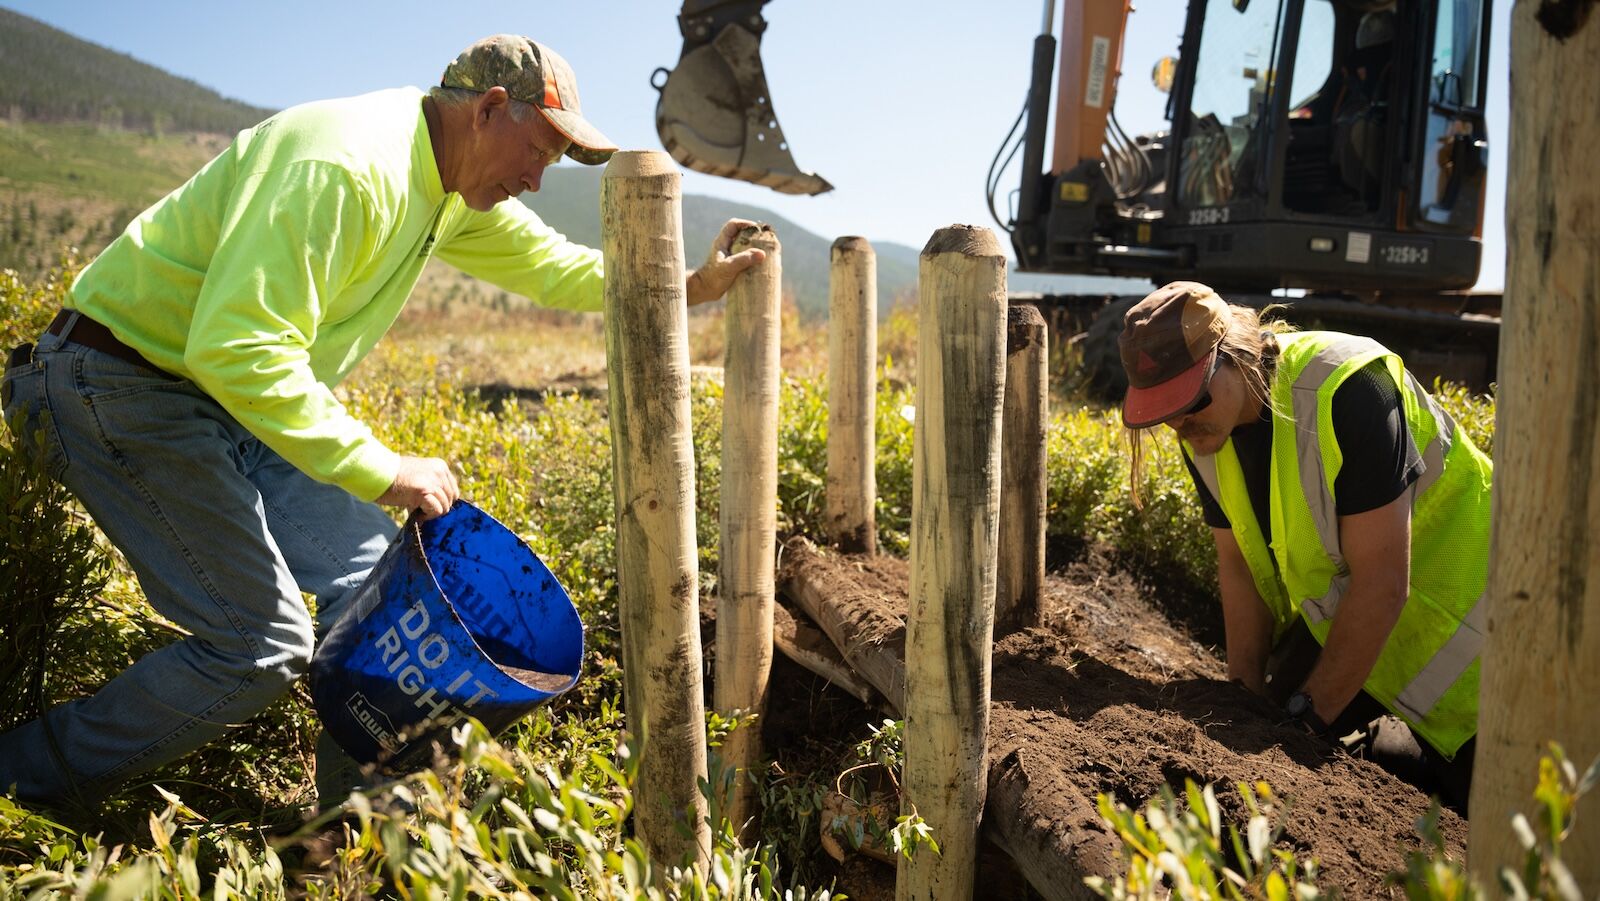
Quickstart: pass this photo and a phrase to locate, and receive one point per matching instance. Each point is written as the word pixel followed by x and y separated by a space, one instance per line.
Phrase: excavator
pixel 1329 155
pixel 1333 147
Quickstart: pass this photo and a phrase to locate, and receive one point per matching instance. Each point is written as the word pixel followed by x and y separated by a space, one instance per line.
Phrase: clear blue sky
pixel 900 103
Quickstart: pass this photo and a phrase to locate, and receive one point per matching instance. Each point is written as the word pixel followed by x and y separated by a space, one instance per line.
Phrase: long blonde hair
pixel 1250 346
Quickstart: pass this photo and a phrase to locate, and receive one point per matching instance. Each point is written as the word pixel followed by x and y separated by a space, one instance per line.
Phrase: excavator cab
pixel 715 113
pixel 1333 145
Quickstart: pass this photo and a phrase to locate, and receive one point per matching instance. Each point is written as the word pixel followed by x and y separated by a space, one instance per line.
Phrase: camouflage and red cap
pixel 532 73
pixel 1169 349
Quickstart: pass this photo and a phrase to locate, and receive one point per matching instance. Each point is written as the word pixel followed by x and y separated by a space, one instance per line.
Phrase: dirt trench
pixel 1107 696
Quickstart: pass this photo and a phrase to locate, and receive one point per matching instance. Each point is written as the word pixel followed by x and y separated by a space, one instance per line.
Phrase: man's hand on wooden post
pixel 713 279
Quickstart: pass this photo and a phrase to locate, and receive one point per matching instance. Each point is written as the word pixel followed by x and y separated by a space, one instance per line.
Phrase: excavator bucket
pixel 714 113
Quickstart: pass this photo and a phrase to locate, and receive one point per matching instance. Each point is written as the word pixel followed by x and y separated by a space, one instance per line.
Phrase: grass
pixel 78 185
pixel 80 161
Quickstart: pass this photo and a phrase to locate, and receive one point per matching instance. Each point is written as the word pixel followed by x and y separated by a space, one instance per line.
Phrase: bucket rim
pixel 415 522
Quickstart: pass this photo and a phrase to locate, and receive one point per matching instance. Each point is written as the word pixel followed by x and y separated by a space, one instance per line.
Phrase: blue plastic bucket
pixel 459 617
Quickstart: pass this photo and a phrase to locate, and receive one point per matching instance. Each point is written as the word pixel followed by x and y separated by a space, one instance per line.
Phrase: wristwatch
pixel 1300 707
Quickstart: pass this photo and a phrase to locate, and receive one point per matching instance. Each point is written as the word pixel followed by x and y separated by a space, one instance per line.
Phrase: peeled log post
pixel 852 488
pixel 955 506
pixel 1020 581
pixel 749 513
pixel 647 362
pixel 1541 655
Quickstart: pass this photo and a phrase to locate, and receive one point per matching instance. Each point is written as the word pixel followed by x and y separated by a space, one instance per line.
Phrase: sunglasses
pixel 1205 396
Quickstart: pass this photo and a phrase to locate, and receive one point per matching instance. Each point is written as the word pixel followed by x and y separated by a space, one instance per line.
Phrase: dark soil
pixel 1107 697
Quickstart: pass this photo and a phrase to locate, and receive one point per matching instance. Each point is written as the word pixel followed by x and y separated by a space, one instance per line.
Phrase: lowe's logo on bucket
pixel 376 722
pixel 458 618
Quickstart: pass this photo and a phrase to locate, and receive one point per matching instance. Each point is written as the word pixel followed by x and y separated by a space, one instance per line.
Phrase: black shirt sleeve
pixel 1380 459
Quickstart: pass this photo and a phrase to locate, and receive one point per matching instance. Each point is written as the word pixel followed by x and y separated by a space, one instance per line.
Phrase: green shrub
pixel 1184 850
pixel 1432 875
pixel 1474 413
pixel 802 455
pixel 50 570
pixel 498 823
pixel 50 566
pixel 25 308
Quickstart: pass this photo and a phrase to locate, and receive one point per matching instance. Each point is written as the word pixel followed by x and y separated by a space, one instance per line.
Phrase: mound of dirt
pixel 1106 696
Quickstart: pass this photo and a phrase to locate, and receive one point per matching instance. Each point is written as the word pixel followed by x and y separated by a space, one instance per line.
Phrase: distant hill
pixel 49 75
pixel 569 200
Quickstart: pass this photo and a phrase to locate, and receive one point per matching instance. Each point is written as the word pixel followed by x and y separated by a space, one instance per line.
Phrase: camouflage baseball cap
pixel 1169 349
pixel 532 73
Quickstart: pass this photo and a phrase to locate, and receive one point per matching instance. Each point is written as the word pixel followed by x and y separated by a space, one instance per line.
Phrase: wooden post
pixel 1541 656
pixel 647 361
pixel 955 505
pixel 1022 471
pixel 749 515
pixel 852 486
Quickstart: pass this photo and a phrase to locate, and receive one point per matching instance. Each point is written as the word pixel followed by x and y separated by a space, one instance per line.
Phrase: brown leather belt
pixel 93 335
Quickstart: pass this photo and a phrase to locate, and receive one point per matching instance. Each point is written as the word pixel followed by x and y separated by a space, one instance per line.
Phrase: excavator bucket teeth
pixel 715 116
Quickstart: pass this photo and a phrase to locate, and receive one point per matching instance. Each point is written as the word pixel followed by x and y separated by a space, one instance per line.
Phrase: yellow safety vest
pixel 1427 673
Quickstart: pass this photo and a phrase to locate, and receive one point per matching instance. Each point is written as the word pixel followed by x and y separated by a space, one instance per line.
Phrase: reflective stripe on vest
pixel 1207 467
pixel 1424 690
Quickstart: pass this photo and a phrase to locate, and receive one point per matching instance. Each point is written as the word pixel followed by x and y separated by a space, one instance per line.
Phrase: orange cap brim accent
pixel 552 97
pixel 1146 407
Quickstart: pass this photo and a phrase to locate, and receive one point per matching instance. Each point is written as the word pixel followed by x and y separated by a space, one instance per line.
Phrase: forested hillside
pixel 569 200
pixel 49 75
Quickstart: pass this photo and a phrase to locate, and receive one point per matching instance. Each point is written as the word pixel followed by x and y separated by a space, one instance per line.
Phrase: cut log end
pixel 967 240
pixel 640 164
pixel 762 237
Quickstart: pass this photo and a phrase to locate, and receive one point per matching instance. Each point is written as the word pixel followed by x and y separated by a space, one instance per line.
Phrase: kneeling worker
pixel 1345 504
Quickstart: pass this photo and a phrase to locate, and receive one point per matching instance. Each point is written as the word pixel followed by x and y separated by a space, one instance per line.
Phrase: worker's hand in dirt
pixel 423 484
pixel 1256 701
pixel 1302 712
pixel 713 279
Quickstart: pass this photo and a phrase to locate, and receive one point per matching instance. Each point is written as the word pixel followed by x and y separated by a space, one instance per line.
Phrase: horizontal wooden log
pixel 801 641
pixel 873 646
pixel 1025 823
pixel 1017 819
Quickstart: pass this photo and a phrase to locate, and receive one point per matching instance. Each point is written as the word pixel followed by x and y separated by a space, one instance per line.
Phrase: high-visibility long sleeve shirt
pixel 273 271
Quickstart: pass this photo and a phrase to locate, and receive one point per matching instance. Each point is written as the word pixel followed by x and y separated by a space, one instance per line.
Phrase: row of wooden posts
pixel 974 369
pixel 1541 657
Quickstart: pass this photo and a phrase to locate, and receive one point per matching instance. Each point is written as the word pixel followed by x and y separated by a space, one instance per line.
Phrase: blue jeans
pixel 223 534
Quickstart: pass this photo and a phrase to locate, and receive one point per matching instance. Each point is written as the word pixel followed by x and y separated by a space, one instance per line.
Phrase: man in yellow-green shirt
pixel 186 397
